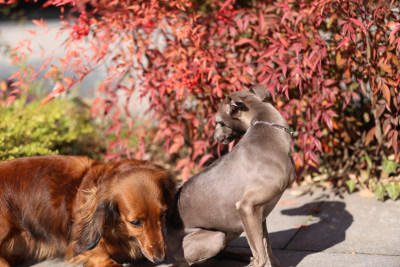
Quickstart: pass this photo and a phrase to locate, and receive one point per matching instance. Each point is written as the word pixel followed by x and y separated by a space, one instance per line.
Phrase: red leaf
pixel 314 158
pixel 343 42
pixel 38 23
pixel 204 159
pixel 17 83
pixel 15 92
pixel 376 11
pixel 370 136
pixel 394 141
pixel 318 144
pixel 246 41
pixel 227 2
pixel 31 32
pixel 261 22
pixel 185 173
pixel 370 23
pixel 331 113
pixel 230 146
pixel 357 22
pixel 283 41
pixel 328 121
pixel 330 82
pixel 386 126
pixel 268 53
pixel 386 93
pixel 46 100
pixel 395 29
pixel 16 75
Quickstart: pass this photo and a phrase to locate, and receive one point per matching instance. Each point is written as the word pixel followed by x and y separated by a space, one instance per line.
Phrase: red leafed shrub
pixel 332 67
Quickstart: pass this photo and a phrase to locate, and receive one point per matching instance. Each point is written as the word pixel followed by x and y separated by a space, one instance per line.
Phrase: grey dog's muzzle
pixel 224 134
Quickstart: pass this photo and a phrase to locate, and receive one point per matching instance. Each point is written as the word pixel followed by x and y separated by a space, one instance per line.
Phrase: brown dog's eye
pixel 136 222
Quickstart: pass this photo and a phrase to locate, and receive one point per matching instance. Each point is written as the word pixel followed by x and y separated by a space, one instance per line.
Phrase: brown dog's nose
pixel 158 260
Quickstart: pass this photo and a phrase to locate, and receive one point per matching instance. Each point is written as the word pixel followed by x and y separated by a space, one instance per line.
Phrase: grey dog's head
pixel 236 112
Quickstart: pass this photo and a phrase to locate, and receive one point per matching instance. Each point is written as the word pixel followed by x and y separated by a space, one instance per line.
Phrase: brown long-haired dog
pixel 89 212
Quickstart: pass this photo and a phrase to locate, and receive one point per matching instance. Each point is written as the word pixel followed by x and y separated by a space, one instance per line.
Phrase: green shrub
pixel 62 126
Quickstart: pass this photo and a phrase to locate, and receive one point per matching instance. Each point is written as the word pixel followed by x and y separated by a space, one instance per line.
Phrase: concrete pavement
pixel 325 229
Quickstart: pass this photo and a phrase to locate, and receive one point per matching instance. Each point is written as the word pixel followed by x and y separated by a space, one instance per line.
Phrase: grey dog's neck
pixel 267 124
pixel 274 125
pixel 267 112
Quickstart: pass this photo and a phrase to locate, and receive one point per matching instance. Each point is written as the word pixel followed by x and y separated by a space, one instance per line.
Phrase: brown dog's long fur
pixel 89 212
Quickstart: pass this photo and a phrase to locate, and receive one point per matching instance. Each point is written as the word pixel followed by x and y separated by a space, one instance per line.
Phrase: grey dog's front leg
pixel 271 260
pixel 251 208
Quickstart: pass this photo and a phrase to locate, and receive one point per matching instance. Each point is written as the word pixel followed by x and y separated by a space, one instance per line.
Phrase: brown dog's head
pixel 143 203
pixel 132 206
pixel 234 115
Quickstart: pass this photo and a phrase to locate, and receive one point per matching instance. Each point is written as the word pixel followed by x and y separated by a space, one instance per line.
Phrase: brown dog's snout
pixel 157 253
pixel 153 245
pixel 157 260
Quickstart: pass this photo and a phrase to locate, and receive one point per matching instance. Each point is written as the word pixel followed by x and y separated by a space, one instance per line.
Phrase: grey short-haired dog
pixel 238 191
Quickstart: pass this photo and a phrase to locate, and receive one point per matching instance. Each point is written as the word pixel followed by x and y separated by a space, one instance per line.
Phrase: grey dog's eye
pixel 136 222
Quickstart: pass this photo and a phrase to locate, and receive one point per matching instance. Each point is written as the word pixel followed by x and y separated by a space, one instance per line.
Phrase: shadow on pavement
pixel 324 228
pixel 333 221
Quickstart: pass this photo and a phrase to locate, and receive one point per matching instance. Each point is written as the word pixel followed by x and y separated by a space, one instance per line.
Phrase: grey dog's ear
pixel 261 92
pixel 236 102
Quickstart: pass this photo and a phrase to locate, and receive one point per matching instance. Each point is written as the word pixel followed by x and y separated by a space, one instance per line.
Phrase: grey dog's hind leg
pixel 202 244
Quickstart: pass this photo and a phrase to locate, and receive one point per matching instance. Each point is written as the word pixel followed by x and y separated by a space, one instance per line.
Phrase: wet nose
pixel 158 260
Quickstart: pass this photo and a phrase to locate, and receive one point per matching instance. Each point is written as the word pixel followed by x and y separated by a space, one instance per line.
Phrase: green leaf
pixel 388 166
pixel 364 175
pixel 351 185
pixel 393 190
pixel 368 160
pixel 380 192
pixel 372 185
pixel 60 127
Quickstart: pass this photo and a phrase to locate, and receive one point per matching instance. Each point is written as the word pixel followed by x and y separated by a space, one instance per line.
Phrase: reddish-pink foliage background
pixel 332 67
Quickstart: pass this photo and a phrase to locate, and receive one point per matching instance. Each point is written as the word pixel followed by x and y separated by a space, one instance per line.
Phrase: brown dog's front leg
pixel 3 262
pixel 251 208
pixel 96 257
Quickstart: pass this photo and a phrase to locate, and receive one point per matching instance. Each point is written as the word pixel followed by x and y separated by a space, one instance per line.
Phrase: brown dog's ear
pixel 169 188
pixel 91 229
pixel 261 92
